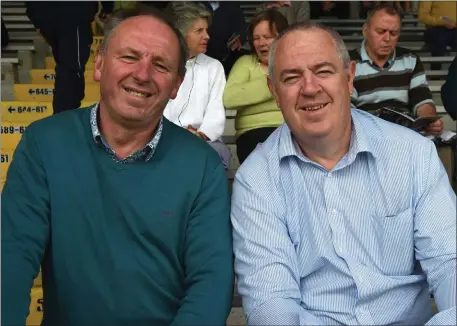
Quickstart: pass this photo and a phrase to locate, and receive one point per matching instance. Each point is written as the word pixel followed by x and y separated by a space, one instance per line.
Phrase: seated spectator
pixel 127 214
pixel 440 18
pixel 198 106
pixel 449 91
pixel 388 75
pixel 294 11
pixel 340 218
pixel 247 90
pixel 227 32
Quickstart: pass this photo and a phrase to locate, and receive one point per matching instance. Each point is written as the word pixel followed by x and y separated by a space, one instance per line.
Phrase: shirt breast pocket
pixel 397 243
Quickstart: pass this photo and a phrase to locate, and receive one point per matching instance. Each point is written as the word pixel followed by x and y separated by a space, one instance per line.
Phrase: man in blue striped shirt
pixel 340 217
pixel 388 75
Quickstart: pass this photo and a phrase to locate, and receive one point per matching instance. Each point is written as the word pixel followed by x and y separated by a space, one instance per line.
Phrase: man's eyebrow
pixel 314 67
pixel 131 50
pixel 290 71
pixel 324 64
pixel 155 57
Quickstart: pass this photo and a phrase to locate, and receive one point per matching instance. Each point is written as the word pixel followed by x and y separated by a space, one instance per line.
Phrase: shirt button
pixel 329 174
pixel 334 211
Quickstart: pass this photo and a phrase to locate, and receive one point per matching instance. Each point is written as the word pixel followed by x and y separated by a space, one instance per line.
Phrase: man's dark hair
pixel 121 15
pixel 275 19
pixel 383 6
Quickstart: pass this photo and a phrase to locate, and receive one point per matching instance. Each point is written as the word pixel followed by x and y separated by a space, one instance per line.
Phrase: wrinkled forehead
pixel 383 20
pixel 146 28
pixel 304 49
pixel 146 34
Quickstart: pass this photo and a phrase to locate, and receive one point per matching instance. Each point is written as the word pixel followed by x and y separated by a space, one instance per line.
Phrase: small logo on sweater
pixel 168 213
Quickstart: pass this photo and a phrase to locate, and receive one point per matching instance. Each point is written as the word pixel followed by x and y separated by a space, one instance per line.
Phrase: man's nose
pixel 309 84
pixel 386 36
pixel 142 71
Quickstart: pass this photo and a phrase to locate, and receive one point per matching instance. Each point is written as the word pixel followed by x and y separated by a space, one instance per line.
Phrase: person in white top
pixel 198 106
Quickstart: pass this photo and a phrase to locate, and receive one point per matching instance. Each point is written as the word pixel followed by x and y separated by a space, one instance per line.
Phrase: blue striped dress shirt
pixel 363 244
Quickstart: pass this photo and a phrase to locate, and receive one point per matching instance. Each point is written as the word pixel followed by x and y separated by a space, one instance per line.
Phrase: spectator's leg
pixel 436 39
pixel 453 39
pixel 5 35
pixel 223 151
pixel 71 57
pixel 249 140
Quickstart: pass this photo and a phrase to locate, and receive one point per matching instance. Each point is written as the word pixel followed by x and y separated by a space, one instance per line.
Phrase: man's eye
pixel 324 72
pixel 128 58
pixel 290 79
pixel 161 67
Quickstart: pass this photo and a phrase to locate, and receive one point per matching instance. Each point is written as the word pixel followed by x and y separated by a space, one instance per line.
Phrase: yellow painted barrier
pixel 45 92
pixel 36 307
pixel 51 64
pixel 25 112
pixel 6 158
pixel 11 134
pixel 48 76
pixel 96 44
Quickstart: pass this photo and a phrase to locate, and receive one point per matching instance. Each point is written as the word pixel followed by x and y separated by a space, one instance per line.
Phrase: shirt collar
pixel 146 152
pixel 360 142
pixel 365 57
pixel 194 61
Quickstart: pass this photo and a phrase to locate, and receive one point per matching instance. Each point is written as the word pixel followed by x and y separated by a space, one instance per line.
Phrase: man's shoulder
pixel 404 52
pixel 388 135
pixel 60 124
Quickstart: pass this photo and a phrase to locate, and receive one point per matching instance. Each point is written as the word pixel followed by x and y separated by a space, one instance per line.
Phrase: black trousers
pixel 437 39
pixel 249 140
pixel 70 45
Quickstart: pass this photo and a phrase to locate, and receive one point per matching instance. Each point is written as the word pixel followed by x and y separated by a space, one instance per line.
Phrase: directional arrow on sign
pixel 47 76
pixel 11 109
pixel 31 91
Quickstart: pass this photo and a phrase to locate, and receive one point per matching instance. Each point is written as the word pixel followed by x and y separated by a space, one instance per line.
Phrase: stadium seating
pixel 28 87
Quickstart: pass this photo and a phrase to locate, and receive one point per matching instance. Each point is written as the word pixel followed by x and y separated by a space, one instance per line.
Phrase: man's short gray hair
pixel 121 15
pixel 184 14
pixel 307 26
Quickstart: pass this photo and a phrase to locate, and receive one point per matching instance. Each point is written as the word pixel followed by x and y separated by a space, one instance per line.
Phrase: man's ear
pixel 351 75
pixel 98 65
pixel 271 87
pixel 176 87
pixel 364 30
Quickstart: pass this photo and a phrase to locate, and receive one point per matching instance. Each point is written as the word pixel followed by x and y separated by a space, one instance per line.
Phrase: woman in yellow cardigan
pixel 247 91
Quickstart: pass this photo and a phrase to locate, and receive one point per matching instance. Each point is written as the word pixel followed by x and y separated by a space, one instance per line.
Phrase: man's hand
pixel 234 43
pixel 450 24
pixel 435 128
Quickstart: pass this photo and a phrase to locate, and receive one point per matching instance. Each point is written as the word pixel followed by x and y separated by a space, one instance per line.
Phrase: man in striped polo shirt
pixel 388 75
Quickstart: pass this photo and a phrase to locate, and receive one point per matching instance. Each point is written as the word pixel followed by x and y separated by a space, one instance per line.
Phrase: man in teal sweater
pixel 127 214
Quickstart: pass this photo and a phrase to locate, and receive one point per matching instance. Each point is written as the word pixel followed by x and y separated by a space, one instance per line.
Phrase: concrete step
pixel 45 92
pixel 47 76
